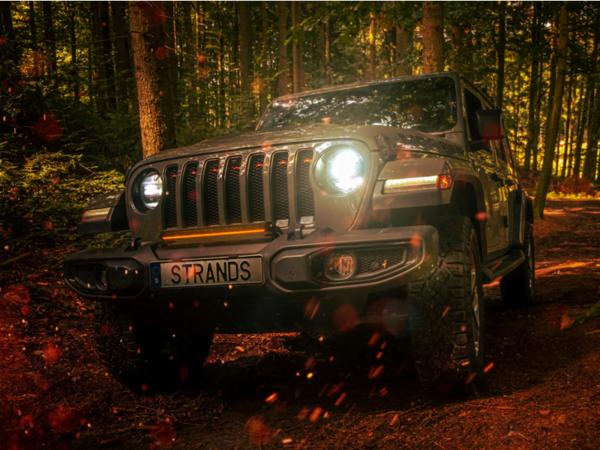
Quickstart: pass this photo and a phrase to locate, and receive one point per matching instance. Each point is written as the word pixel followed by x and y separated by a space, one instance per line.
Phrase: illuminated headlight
pixel 341 171
pixel 148 190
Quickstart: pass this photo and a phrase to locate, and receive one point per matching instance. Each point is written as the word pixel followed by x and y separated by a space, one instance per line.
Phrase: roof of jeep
pixel 343 87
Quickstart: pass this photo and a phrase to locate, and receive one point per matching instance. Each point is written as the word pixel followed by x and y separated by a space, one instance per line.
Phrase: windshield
pixel 427 105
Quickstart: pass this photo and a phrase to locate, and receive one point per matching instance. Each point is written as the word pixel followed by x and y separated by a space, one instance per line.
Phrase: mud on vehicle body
pixel 389 202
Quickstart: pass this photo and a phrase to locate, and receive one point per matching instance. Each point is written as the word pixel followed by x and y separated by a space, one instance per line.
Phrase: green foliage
pixel 42 198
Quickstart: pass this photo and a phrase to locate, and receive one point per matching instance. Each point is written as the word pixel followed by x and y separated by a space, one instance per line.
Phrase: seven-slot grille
pixel 231 190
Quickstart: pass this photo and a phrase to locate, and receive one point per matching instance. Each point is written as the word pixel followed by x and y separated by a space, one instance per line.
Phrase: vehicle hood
pixel 400 139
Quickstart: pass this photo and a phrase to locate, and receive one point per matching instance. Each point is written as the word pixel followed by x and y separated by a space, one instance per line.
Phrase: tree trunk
pixel 199 82
pixel 171 46
pixel 501 54
pixel 100 83
pixel 404 37
pixel 109 68
pixel 122 59
pixel 187 45
pixel 263 59
pixel 246 61
pixel 221 96
pixel 7 21
pixel 372 49
pixel 591 154
pixel 553 63
pixel 328 27
pixel 49 36
pixel 585 118
pixel 70 9
pixel 283 63
pixel 534 88
pixel 32 25
pixel 152 78
pixel 567 128
pixel 577 126
pixel 433 37
pixel 552 131
pixel 297 50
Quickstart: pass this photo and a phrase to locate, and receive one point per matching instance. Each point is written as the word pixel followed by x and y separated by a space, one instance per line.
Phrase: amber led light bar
pixel 418 183
pixel 221 233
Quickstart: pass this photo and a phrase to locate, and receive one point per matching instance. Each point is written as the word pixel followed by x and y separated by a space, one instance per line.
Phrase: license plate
pixel 206 272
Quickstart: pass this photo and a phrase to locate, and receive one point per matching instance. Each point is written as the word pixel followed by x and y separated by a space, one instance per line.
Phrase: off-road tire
pixel 142 358
pixel 442 332
pixel 518 287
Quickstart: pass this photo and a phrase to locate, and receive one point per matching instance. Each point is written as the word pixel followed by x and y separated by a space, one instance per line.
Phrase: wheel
pixel 143 358
pixel 518 287
pixel 448 332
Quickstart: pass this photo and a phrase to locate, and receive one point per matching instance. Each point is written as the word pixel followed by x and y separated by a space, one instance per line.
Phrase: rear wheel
pixel 518 287
pixel 448 333
pixel 143 358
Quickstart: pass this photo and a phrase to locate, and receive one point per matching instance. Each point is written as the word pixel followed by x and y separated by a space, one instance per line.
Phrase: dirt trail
pixel 543 390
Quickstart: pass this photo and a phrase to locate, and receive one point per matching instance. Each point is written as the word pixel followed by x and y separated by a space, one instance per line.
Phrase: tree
pixel 246 60
pixel 7 21
pixel 264 68
pixel 404 37
pixel 71 14
pixel 49 36
pixel 552 131
pixel 591 156
pixel 281 37
pixel 171 46
pixel 534 87
pixel 501 50
pixel 433 37
pixel 122 58
pixel 298 71
pixel 32 25
pixel 372 49
pixel 151 75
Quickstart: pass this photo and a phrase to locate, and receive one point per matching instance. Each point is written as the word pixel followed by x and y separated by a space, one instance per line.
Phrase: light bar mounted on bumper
pixel 259 231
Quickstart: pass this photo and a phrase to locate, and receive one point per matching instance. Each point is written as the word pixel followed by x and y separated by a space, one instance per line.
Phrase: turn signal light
pixel 417 183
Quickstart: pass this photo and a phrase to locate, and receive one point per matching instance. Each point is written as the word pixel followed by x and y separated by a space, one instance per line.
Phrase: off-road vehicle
pixel 388 202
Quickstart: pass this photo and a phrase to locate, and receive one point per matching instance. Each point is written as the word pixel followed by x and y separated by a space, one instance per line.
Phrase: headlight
pixel 148 190
pixel 341 171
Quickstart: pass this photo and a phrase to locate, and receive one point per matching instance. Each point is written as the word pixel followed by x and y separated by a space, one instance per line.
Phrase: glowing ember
pixel 487 368
pixel 316 414
pixel 340 399
pixel 272 398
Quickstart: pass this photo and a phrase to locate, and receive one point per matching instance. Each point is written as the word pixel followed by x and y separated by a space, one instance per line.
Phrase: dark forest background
pixel 75 76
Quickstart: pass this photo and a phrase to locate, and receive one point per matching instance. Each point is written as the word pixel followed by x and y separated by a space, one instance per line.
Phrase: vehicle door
pixel 484 162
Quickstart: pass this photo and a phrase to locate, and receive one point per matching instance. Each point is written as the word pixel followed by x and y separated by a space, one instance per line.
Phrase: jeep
pixel 388 203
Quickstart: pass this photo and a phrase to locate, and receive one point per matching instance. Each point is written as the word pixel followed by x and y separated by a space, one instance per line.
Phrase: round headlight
pixel 149 190
pixel 341 171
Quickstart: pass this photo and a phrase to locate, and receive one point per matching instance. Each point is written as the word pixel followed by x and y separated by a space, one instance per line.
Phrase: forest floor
pixel 543 390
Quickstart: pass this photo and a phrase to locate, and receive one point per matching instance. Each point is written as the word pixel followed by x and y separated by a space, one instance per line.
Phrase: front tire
pixel 518 287
pixel 143 358
pixel 448 334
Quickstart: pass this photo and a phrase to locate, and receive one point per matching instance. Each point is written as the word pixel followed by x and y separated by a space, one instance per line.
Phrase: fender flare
pixel 462 182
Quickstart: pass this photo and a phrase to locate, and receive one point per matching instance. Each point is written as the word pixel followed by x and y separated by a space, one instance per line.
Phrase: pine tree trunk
pixel 199 83
pixel 593 134
pixel 73 38
pixel 99 77
pixel 281 36
pixel 372 49
pixel 170 43
pixel 122 59
pixel 501 55
pixel 49 36
pixel 152 78
pixel 433 37
pixel 577 126
pixel 585 117
pixel 7 21
pixel 552 131
pixel 109 69
pixel 298 71
pixel 404 37
pixel 32 24
pixel 328 27
pixel 246 62
pixel 567 128
pixel 263 59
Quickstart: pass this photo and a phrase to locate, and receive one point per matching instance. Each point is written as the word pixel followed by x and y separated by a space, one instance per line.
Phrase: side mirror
pixel 490 124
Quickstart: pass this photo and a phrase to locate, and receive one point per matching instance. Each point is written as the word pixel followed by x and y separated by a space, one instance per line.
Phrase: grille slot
pixel 304 193
pixel 233 206
pixel 371 261
pixel 190 196
pixel 170 211
pixel 256 193
pixel 279 187
pixel 209 193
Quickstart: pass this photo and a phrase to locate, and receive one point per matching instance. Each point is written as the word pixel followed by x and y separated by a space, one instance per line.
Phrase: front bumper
pixel 292 270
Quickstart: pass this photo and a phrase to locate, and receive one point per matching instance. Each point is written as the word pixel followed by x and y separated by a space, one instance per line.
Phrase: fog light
pixel 340 266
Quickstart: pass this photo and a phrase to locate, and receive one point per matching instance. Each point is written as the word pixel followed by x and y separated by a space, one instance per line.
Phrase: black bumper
pixel 292 271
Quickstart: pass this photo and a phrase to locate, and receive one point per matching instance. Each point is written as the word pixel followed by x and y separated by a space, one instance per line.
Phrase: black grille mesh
pixel 232 191
pixel 256 196
pixel 279 187
pixel 190 196
pixel 370 261
pixel 86 276
pixel 170 210
pixel 304 193
pixel 209 193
